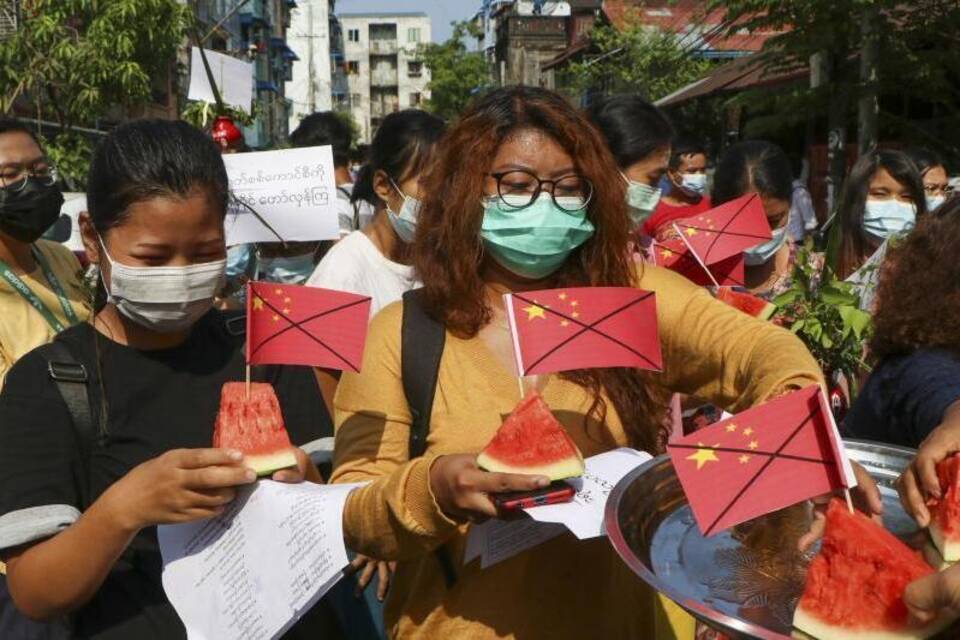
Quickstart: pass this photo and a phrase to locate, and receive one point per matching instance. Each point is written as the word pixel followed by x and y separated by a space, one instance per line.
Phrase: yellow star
pixel 287 300
pixel 748 431
pixel 753 444
pixel 574 303
pixel 666 253
pixel 279 292
pixel 690 231
pixel 286 311
pixel 731 428
pixel 562 296
pixel 703 456
pixel 276 318
pixel 534 311
pixel 709 221
pixel 257 304
pixel 564 323
pixel 744 459
pixel 574 315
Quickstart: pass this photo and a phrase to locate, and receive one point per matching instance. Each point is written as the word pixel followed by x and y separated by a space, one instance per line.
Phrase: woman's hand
pixel 920 481
pixel 179 486
pixel 461 488
pixel 366 567
pixel 929 596
pixel 305 471
pixel 866 497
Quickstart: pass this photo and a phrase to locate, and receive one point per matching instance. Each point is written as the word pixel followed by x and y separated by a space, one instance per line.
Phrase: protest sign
pixel 293 190
pixel 234 79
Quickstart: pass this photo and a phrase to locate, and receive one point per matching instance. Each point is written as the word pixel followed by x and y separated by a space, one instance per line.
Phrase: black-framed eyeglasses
pixel 518 189
pixel 14 176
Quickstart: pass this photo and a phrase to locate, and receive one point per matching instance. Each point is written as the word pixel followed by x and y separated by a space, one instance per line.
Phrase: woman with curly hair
pixel 916 338
pixel 524 195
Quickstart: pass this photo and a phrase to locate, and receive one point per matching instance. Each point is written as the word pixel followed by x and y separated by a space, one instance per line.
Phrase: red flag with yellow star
pixel 676 256
pixel 761 460
pixel 583 328
pixel 291 324
pixel 727 230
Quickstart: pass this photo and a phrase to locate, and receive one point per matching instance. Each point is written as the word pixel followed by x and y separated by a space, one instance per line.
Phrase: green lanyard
pixel 21 287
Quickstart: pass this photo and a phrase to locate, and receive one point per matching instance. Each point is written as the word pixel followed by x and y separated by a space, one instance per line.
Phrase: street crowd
pixel 521 192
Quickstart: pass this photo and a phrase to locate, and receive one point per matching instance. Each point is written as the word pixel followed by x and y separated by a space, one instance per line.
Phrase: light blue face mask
pixel 533 242
pixel 288 270
pixel 885 218
pixel 694 182
pixel 405 222
pixel 761 253
pixel 934 202
pixel 642 200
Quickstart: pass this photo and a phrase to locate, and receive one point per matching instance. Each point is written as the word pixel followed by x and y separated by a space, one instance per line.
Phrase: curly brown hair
pixel 918 301
pixel 448 253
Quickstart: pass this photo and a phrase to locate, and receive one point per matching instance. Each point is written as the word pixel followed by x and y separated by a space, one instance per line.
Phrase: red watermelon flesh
pixel 855 585
pixel 746 302
pixel 945 512
pixel 253 426
pixel 531 441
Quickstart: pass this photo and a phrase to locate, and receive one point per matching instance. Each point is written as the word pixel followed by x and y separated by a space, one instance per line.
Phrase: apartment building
pixel 384 73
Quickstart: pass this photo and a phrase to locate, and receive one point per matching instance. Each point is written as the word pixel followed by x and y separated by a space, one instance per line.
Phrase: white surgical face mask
pixel 405 222
pixel 642 200
pixel 934 202
pixel 286 270
pixel 761 253
pixel 164 299
pixel 694 182
pixel 885 218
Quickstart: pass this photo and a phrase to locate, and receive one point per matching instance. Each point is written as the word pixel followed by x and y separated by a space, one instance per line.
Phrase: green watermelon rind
pixel 747 303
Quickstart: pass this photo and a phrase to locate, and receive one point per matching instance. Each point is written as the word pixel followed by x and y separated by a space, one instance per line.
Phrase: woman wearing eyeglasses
pixel 40 293
pixel 524 195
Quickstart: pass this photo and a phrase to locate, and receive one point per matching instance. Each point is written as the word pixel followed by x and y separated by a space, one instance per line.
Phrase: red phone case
pixel 553 494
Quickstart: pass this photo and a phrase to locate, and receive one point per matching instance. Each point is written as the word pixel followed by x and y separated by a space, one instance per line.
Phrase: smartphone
pixel 553 493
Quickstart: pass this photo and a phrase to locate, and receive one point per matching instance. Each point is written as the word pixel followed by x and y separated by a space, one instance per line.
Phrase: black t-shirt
pixel 155 401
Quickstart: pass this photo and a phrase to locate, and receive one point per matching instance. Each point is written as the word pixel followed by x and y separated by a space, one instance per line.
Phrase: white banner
pixel 234 79
pixel 293 190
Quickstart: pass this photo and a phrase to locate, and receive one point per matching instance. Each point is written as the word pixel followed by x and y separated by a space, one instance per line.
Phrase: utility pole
pixel 311 68
pixel 869 102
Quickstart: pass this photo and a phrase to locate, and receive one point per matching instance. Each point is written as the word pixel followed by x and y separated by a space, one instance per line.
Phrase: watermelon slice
pixel 945 512
pixel 531 441
pixel 855 584
pixel 254 426
pixel 746 302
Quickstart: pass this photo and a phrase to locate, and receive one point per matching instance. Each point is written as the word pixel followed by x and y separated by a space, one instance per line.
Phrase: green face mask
pixel 642 200
pixel 535 241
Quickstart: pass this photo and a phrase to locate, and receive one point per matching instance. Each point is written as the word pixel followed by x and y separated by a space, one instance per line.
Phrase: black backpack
pixel 422 339
pixel 71 379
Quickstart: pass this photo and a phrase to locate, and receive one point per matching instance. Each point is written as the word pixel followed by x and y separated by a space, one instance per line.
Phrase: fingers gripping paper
pixel 256 569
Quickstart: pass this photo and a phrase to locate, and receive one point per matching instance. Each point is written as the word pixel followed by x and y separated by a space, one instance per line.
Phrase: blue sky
pixel 441 12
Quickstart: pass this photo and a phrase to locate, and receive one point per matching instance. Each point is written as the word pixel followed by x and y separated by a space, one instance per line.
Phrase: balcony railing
pixel 384 78
pixel 383 47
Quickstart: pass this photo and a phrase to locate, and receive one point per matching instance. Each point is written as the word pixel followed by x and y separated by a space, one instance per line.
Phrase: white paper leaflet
pixel 255 570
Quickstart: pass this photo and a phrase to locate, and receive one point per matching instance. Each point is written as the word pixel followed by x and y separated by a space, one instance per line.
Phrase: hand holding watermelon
pixel 932 596
pixel 866 496
pixel 182 485
pixel 462 489
pixel 920 482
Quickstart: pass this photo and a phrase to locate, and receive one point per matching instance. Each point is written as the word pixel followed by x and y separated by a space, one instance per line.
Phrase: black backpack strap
pixel 72 381
pixel 421 347
pixel 422 339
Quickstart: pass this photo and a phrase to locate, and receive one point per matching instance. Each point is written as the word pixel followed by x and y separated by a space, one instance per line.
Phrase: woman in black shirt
pixel 156 355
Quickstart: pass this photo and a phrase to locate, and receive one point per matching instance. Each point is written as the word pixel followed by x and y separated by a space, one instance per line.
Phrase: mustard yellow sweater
pixel 563 588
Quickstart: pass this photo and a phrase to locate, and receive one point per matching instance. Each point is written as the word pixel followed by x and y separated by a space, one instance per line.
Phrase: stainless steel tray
pixel 745 581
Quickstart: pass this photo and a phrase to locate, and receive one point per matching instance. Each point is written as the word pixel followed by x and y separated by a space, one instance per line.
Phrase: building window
pixel 355 100
pixel 413 34
pixel 353 67
pixel 416 99
pixel 353 35
pixel 414 69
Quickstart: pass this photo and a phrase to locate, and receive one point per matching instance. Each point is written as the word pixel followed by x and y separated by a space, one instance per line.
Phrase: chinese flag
pixel 289 324
pixel 676 256
pixel 582 328
pixel 764 459
pixel 727 230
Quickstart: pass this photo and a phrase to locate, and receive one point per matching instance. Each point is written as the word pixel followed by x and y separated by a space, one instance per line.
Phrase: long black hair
pixel 325 128
pixel 401 148
pixel 144 159
pixel 854 243
pixel 633 127
pixel 754 165
pixel 925 159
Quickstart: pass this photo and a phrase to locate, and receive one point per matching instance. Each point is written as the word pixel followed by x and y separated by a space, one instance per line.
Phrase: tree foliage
pixel 456 73
pixel 75 61
pixel 637 59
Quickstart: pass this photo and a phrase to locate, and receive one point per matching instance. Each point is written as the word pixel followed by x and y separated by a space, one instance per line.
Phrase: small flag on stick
pixel 583 328
pixel 290 324
pixel 674 254
pixel 761 460
pixel 727 230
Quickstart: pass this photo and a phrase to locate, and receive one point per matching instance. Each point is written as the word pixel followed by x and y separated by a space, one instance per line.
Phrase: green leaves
pixel 455 73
